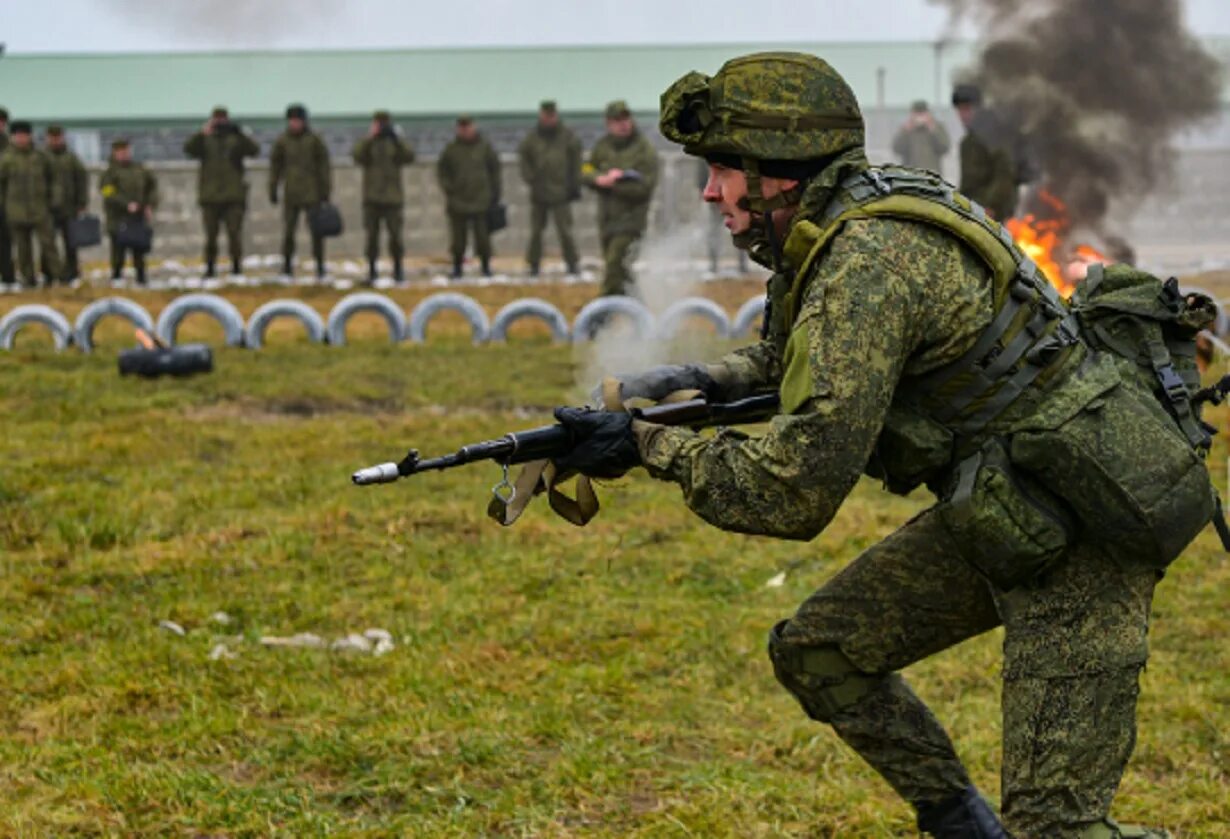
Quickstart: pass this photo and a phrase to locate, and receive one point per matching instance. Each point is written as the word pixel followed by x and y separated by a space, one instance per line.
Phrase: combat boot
pixel 371 271
pixel 288 269
pixel 399 275
pixel 964 816
pixel 486 267
pixel 209 270
pixel 456 275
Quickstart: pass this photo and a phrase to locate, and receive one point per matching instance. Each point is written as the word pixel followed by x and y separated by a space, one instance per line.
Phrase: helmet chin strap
pixel 762 234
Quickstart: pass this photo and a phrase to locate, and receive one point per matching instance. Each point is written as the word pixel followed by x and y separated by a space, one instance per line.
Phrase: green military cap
pixel 119 143
pixel 296 111
pixel 21 126
pixel 220 112
pixel 382 116
pixel 547 105
pixel 464 119
pixel 618 110
pixel 4 114
pixel 55 131
pixel 919 106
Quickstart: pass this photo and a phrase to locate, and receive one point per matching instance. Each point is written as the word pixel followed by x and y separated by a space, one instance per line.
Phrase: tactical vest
pixel 1032 336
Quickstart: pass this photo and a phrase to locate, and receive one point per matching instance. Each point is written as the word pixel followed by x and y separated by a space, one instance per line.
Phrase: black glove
pixel 603 443
pixel 658 382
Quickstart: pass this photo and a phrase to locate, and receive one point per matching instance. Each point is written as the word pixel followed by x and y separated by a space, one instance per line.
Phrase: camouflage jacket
pixel 888 301
pixel 25 185
pixel 302 162
pixel 551 164
pixel 382 159
pixel 123 184
pixel 220 179
pixel 988 166
pixel 922 147
pixel 70 183
pixel 624 207
pixel 469 175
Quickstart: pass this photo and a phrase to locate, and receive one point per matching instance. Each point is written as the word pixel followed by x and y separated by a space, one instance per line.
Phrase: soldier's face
pixel 620 127
pixel 22 140
pixel 548 119
pixel 467 131
pixel 295 125
pixel 54 142
pixel 726 187
pixel 122 155
pixel 966 113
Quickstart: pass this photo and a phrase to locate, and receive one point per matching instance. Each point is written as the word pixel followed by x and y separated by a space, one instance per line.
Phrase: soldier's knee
pixel 822 678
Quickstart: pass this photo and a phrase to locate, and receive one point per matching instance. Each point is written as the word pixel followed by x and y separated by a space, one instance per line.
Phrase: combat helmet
pixel 771 113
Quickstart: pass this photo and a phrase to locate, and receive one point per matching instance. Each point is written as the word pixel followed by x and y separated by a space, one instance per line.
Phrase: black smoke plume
pixel 1098 87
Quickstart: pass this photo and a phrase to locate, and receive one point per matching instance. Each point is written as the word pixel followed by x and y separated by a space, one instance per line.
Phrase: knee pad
pixel 822 678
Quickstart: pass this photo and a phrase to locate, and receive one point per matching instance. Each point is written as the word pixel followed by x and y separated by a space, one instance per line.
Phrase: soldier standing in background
pixel 70 195
pixel 988 156
pixel 921 142
pixel 469 175
pixel 25 194
pixel 130 195
pixel 300 159
pixel 7 277
pixel 550 158
pixel 222 192
pixel 382 154
pixel 623 168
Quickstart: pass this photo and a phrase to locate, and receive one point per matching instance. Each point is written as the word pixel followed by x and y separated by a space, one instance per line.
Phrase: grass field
pixel 545 681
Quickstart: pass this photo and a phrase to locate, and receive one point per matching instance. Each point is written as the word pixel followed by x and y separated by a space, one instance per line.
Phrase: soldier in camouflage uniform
pixel 130 196
pixel 910 339
pixel 7 276
pixel 623 168
pixel 382 154
pixel 25 195
pixel 70 195
pixel 468 172
pixel 300 160
pixel 988 155
pixel 222 192
pixel 550 158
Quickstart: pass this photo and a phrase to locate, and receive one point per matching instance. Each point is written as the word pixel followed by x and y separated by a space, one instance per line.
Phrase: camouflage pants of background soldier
pixel 393 219
pixel 562 215
pixel 290 221
pixel 1074 646
pixel 458 225
pixel 69 268
pixel 23 236
pixel 118 254
pixel 214 217
pixel 7 275
pixel 618 250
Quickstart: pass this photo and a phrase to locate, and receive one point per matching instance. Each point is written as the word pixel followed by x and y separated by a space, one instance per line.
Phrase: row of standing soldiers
pixel 41 191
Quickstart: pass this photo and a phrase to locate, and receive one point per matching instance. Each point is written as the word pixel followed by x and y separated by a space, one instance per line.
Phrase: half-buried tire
pixel 449 301
pixel 218 308
pixel 596 313
pixel 131 311
pixel 258 323
pixel 364 301
pixel 35 313
pixel 529 307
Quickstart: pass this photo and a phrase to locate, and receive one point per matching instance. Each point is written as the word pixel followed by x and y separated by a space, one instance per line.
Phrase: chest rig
pixel 1032 335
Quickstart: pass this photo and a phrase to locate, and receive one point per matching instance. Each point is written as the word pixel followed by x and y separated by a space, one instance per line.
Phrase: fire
pixel 1044 241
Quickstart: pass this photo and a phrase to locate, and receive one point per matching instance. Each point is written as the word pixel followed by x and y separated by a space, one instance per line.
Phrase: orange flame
pixel 1042 240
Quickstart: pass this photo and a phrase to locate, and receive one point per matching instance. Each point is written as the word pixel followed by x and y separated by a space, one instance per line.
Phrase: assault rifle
pixel 554 441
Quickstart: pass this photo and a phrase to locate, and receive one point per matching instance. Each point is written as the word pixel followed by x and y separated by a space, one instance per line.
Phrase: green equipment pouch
pixel 1138 487
pixel 1008 526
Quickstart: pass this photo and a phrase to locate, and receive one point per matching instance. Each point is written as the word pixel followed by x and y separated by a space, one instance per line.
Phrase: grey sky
pixel 151 25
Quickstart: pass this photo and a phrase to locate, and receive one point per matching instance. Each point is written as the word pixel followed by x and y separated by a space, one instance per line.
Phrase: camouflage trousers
pixel 23 236
pixel 458 226
pixel 1074 646
pixel 561 214
pixel 290 222
pixel 214 217
pixel 393 219
pixel 618 250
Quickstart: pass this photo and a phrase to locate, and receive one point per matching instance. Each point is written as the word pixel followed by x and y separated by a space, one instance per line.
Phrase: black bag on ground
pixel 133 232
pixel 325 220
pixel 497 218
pixel 84 231
pixel 183 360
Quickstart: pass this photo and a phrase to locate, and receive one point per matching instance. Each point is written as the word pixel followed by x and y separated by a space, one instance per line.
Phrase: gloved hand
pixel 604 445
pixel 658 382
